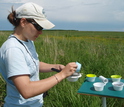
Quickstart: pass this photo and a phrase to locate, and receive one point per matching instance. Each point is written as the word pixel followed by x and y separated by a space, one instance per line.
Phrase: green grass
pixel 98 52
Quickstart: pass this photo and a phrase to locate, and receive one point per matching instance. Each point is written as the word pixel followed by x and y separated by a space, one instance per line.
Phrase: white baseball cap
pixel 36 12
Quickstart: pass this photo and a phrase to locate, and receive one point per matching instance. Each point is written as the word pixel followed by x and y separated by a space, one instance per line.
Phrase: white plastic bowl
pixel 99 86
pixel 118 86
pixel 74 78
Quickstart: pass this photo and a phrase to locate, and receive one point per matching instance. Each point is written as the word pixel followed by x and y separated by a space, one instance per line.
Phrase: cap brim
pixel 46 24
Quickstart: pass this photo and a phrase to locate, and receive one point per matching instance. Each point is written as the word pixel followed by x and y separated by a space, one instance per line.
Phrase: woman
pixel 19 62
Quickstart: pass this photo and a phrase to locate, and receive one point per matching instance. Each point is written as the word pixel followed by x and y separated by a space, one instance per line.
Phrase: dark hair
pixel 12 18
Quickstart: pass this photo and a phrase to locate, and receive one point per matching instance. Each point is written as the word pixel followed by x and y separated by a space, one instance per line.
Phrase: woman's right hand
pixel 69 69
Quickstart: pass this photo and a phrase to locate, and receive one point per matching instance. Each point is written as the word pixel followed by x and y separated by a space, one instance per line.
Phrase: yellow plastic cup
pixel 116 78
pixel 91 77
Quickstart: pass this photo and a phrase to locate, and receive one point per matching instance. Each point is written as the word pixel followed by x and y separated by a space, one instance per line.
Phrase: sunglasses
pixel 37 26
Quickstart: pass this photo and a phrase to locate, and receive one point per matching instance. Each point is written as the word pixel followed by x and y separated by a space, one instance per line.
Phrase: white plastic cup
pixel 103 79
pixel 78 67
pixel 118 86
pixel 99 86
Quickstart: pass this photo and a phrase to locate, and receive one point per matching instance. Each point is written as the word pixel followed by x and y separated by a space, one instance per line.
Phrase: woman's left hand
pixel 60 67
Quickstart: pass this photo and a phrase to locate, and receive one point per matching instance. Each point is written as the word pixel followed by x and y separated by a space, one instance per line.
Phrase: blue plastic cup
pixel 78 67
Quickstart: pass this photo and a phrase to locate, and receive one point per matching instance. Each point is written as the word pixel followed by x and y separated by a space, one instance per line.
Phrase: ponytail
pixel 12 18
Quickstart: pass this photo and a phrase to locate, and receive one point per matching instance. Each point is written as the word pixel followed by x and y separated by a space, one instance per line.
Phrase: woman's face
pixel 29 31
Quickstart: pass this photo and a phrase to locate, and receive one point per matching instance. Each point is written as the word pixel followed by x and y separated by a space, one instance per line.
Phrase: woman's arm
pixel 29 88
pixel 45 67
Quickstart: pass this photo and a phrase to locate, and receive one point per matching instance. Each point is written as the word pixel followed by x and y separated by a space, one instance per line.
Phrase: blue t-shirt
pixel 18 59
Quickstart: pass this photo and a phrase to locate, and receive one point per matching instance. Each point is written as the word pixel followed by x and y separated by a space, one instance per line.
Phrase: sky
pixel 82 15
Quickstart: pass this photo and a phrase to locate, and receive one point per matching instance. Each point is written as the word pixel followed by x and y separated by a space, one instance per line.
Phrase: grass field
pixel 101 53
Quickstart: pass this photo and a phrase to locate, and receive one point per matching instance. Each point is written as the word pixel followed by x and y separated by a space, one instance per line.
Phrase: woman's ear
pixel 23 22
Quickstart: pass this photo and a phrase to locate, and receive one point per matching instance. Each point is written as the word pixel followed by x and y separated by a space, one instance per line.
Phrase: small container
pixel 74 78
pixel 91 77
pixel 116 78
pixel 118 86
pixel 99 86
pixel 78 67
pixel 103 79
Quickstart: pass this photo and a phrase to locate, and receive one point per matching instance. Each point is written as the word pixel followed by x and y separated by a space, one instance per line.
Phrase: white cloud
pixel 84 10
pixel 119 15
pixel 13 1
pixel 95 11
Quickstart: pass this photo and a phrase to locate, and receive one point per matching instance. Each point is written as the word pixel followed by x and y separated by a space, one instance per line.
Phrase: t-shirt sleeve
pixel 15 63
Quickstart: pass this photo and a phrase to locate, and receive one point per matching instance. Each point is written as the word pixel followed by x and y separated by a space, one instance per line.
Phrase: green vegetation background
pixel 101 53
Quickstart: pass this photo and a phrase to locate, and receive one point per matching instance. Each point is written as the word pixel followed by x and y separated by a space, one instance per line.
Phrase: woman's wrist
pixel 56 78
pixel 59 77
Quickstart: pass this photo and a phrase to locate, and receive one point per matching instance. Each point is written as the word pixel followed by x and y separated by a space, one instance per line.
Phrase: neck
pixel 19 34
